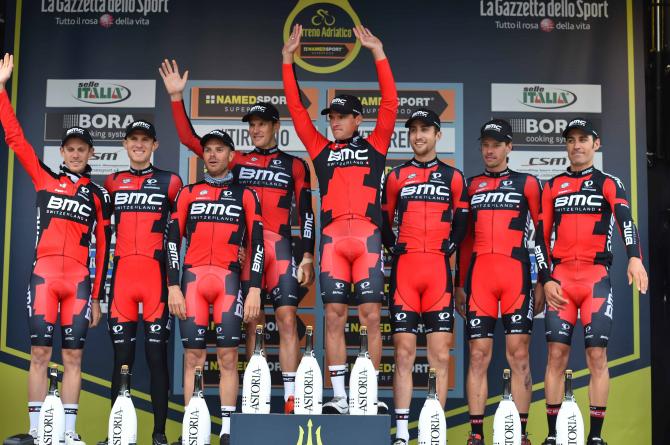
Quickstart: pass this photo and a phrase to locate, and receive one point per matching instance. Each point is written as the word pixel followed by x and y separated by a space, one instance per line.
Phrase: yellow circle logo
pixel 328 43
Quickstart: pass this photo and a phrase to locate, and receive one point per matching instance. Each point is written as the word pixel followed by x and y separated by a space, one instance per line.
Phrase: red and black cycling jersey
pixel 580 208
pixel 350 171
pixel 503 205
pixel 142 201
pixel 274 175
pixel 70 207
pixel 217 217
pixel 431 202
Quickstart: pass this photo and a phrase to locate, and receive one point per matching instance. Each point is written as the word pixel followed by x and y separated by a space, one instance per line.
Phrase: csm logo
pixel 577 200
pixel 536 161
pixel 130 198
pixel 69 205
pixel 425 189
pixel 215 209
pixel 496 198
pixel 257 174
pixel 347 154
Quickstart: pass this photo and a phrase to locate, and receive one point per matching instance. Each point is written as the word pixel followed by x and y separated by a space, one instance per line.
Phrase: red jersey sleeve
pixel 173 189
pixel 461 208
pixel 380 138
pixel 543 235
pixel 615 194
pixel 17 142
pixel 103 234
pixel 464 253
pixel 389 203
pixel 252 214
pixel 187 134
pixel 313 141
pixel 533 193
pixel 303 199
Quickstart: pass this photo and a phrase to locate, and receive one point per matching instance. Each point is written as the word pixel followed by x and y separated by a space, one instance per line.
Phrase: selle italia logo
pixel 547 98
pixel 93 92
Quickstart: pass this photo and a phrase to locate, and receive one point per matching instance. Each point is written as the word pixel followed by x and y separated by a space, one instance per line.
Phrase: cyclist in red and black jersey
pixel 278 179
pixel 349 171
pixel 217 216
pixel 70 210
pixel 429 200
pixel 494 268
pixel 142 198
pixel 580 208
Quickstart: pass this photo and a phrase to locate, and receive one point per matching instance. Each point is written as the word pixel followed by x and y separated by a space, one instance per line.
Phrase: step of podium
pixel 324 429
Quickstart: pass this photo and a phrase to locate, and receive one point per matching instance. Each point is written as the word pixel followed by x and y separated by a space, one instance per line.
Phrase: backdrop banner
pixel 536 63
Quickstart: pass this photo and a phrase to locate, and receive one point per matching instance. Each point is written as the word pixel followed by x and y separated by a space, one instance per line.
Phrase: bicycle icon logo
pixel 323 17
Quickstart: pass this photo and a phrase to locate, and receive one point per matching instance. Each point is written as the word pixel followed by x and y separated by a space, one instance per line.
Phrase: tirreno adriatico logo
pixel 302 440
pixel 94 92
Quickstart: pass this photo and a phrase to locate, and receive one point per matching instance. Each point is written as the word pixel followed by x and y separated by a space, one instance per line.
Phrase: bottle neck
pixel 197 386
pixel 364 346
pixel 568 389
pixel 309 344
pixel 507 388
pixel 259 342
pixel 124 388
pixel 53 382
pixel 432 386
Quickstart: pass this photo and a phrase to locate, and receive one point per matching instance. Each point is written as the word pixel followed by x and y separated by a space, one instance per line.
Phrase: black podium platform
pixel 281 429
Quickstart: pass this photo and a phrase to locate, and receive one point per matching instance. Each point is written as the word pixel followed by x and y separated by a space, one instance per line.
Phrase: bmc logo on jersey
pixel 69 205
pixel 425 189
pixel 130 198
pixel 577 200
pixel 215 209
pixel 496 198
pixel 258 174
pixel 347 154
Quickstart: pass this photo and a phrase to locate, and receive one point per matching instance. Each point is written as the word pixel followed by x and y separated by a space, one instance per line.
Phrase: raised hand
pixel 174 82
pixel 369 41
pixel 6 67
pixel 292 44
